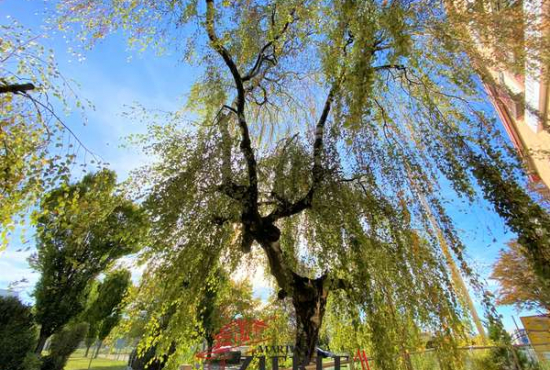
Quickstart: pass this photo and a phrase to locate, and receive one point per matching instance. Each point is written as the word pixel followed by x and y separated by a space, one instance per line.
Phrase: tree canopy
pixel 317 129
pixel 92 227
pixel 518 284
pixel 105 308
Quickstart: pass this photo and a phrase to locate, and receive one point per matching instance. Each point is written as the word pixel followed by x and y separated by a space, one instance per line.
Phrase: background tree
pixel 105 310
pixel 92 227
pixel 220 301
pixel 223 300
pixel 37 147
pixel 63 344
pixel 518 284
pixel 17 335
pixel 322 126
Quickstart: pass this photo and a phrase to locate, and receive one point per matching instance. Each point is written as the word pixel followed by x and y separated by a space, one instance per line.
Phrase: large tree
pixel 92 227
pixel 324 131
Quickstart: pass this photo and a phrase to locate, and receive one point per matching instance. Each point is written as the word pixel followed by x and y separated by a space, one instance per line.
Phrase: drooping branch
pixel 286 209
pixel 261 58
pixel 399 67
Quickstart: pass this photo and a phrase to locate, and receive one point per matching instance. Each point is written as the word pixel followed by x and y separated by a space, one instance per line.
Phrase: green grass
pixel 79 362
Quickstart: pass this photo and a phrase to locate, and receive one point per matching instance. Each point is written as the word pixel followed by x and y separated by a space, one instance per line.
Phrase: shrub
pixel 17 334
pixel 63 344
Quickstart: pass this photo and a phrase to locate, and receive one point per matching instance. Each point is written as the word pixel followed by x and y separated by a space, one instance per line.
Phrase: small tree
pixel 519 285
pixel 92 227
pixel 17 334
pixel 64 343
pixel 105 311
pixel 222 300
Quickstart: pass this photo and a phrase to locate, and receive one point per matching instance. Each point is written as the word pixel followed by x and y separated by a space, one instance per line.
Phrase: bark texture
pixel 309 300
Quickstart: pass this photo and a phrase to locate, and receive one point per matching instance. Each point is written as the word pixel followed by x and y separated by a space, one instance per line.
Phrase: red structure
pixel 362 356
pixel 238 333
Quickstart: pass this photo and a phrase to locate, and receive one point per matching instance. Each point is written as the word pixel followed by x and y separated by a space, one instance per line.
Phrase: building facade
pixel 522 99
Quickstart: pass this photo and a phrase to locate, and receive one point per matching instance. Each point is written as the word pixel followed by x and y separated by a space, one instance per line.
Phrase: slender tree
pixel 92 228
pixel 63 344
pixel 105 310
pixel 322 125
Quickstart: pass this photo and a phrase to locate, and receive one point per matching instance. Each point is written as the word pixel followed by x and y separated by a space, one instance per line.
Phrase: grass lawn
pixel 79 362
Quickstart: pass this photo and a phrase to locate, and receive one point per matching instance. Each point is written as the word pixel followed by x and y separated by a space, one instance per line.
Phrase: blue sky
pixel 113 77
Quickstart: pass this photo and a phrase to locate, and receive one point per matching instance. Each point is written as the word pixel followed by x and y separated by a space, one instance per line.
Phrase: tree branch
pixel 16 88
pixel 261 55
pixel 399 67
pixel 251 206
pixel 286 209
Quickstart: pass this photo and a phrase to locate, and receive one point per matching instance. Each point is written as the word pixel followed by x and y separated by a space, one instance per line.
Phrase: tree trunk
pixel 98 348
pixel 210 344
pixel 309 296
pixel 309 299
pixel 87 350
pixel 42 338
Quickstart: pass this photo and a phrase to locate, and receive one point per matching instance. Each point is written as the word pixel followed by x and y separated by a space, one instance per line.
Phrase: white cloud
pixel 14 267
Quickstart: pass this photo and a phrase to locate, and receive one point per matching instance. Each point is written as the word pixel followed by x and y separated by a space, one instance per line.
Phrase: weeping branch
pixel 262 57
pixel 287 209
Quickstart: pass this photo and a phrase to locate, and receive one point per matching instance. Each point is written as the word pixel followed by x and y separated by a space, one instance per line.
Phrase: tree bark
pixel 309 299
pixel 309 296
pixel 42 338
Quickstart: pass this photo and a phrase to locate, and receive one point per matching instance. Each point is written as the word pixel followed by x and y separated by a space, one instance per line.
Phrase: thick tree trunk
pixel 309 299
pixel 42 338
pixel 309 296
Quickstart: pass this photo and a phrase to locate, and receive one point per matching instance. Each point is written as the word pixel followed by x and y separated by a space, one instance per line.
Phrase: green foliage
pixel 82 229
pixel 222 300
pixel 62 345
pixel 105 310
pixel 37 148
pixel 504 356
pixel 191 321
pixel 17 335
pixel 518 283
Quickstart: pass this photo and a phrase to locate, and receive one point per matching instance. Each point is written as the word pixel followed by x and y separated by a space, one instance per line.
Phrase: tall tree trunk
pixel 309 299
pixel 87 350
pixel 42 338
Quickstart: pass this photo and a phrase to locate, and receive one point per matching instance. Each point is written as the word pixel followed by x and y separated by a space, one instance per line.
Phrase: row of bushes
pixel 19 335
